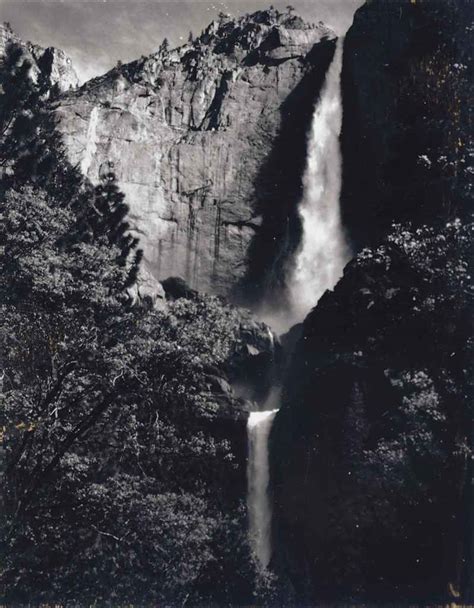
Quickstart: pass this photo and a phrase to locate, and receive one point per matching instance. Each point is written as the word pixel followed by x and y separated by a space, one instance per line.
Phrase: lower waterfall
pixel 258 475
pixel 319 263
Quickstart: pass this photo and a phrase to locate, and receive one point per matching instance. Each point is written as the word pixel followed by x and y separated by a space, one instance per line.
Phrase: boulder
pixel 176 287
pixel 148 292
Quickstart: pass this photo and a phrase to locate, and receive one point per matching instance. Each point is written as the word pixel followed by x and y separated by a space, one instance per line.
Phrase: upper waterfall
pixel 323 251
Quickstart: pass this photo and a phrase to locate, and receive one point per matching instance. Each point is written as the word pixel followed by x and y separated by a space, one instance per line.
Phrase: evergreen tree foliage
pixel 31 148
pixel 110 428
pixel 384 367
pixel 32 152
pixel 110 217
pixel 119 481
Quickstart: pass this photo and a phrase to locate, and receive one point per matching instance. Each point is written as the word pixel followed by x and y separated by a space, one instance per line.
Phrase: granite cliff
pixel 53 63
pixel 208 144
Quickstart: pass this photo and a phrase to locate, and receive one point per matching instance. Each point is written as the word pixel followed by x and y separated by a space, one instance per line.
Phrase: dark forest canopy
pixel 114 466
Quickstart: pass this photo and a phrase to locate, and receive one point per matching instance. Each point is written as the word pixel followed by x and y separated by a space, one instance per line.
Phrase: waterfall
pixel 91 143
pixel 319 263
pixel 258 475
pixel 323 251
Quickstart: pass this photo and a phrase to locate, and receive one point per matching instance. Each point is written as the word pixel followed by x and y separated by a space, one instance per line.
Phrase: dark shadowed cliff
pixel 371 447
pixel 407 98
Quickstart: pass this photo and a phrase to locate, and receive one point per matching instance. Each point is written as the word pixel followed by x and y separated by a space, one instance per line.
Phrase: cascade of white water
pixel 323 251
pixel 258 476
pixel 320 260
pixel 91 143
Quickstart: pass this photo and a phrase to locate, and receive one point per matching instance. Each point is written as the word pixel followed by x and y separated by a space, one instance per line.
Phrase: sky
pixel 98 33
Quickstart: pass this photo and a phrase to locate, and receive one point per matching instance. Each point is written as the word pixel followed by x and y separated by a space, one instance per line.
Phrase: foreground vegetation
pixel 118 483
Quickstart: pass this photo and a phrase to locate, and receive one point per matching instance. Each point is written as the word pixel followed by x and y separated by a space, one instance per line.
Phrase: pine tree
pixel 31 147
pixel 32 152
pixel 108 218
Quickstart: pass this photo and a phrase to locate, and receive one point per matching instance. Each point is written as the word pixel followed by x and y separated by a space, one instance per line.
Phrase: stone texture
pixel 147 291
pixel 188 132
pixel 54 63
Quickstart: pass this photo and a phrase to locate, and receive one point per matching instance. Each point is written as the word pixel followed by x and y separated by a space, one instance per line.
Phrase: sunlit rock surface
pixel 188 132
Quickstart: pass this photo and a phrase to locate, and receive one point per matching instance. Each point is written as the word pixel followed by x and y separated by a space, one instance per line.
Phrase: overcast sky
pixel 96 33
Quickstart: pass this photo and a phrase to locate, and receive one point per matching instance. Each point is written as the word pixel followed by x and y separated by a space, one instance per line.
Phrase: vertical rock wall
pixel 189 132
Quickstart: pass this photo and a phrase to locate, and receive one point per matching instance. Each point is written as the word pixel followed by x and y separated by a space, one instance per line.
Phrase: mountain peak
pixel 238 35
pixel 266 37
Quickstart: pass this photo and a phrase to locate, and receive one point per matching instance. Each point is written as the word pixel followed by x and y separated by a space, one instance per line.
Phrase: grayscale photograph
pixel 236 304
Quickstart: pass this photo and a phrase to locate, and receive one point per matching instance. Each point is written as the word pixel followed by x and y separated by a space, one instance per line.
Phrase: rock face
pixel 51 62
pixel 407 86
pixel 191 133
